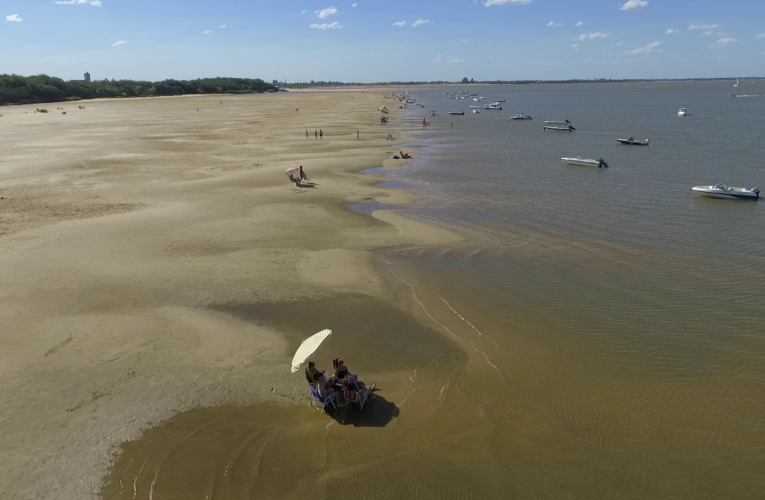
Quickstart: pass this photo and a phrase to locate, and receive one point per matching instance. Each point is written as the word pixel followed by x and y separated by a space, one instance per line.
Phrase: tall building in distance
pixel 84 80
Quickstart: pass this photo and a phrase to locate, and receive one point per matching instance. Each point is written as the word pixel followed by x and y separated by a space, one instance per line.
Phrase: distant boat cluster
pixel 716 191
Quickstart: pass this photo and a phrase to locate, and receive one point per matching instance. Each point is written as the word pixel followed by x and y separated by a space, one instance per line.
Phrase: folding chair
pixel 324 401
pixel 352 396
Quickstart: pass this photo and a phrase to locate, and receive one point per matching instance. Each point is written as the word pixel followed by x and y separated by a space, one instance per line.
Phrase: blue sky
pixel 482 39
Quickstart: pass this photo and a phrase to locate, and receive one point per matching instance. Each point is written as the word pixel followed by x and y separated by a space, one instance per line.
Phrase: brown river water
pixel 600 334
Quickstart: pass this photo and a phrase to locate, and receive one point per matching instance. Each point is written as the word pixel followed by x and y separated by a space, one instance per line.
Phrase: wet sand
pixel 147 246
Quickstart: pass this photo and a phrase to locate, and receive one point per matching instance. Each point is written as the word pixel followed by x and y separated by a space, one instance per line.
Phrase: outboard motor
pixel 602 164
pixel 756 191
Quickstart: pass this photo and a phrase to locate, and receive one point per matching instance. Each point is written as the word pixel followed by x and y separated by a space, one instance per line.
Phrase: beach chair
pixel 355 397
pixel 323 401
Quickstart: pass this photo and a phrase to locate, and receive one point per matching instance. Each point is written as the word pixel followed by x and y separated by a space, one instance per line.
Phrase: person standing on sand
pixel 296 110
pixel 315 134
pixel 357 134
pixel 306 133
pixel 302 174
pixel 321 134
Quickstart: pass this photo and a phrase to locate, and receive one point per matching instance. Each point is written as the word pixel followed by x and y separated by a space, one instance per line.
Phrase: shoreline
pixel 112 274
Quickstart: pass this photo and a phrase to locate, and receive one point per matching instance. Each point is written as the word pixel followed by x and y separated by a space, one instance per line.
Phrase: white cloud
pixel 554 24
pixel 671 32
pixel 223 26
pixel 761 35
pixel 323 14
pixel 302 11
pixel 325 26
pixel 575 46
pixel 725 43
pixel 400 24
pixel 354 4
pixel 489 3
pixel 634 4
pixel 454 61
pixel 591 36
pixel 702 27
pixel 620 44
pixel 206 32
pixel 580 23
pixel 94 3
pixel 651 48
pixel 419 22
pixel 14 18
pixel 119 42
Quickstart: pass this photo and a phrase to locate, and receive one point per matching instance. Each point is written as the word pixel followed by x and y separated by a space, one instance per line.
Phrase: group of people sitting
pixel 328 386
pixel 405 156
pixel 301 176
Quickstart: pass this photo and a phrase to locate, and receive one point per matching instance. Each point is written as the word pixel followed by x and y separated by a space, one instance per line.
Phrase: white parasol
pixel 308 347
pixel 291 171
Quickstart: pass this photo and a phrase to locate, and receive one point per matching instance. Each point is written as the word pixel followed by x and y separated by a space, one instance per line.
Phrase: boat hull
pixel 633 143
pixel 560 129
pixel 727 195
pixel 584 162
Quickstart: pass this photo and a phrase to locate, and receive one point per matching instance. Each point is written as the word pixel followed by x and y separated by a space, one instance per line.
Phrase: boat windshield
pixel 721 186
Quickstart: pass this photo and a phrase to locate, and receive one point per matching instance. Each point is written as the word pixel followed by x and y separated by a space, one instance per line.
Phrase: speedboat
pixel 456 112
pixel 585 162
pixel 474 106
pixel 492 106
pixel 727 192
pixel 476 111
pixel 520 117
pixel 564 126
pixel 634 142
pixel 682 112
pixel 500 100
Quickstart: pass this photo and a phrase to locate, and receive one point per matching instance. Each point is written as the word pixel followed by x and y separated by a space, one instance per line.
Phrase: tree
pixel 464 80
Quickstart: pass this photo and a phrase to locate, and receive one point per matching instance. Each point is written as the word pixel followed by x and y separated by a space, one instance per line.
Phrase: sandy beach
pixel 157 260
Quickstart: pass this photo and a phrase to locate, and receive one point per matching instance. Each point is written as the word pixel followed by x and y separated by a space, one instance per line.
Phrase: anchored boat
pixel 457 113
pixel 520 117
pixel 634 142
pixel 727 192
pixel 564 126
pixel 585 162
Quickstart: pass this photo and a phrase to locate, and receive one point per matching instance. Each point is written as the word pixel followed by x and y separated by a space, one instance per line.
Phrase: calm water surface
pixel 625 316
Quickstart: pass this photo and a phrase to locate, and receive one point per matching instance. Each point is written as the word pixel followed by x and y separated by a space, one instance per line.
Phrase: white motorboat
pixel 474 106
pixel 682 112
pixel 500 100
pixel 457 113
pixel 727 192
pixel 492 106
pixel 476 111
pixel 564 126
pixel 520 117
pixel 585 162
pixel 634 142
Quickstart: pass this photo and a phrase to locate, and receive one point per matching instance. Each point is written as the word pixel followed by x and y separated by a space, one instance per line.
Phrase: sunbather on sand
pixel 325 390
pixel 344 376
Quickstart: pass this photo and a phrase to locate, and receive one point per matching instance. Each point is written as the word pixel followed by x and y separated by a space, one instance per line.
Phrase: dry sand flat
pixel 128 230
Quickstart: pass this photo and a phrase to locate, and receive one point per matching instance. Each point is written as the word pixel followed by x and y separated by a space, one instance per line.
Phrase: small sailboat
pixel 736 83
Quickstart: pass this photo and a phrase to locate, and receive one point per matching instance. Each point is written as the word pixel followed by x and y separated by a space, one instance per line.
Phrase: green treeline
pixel 15 89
